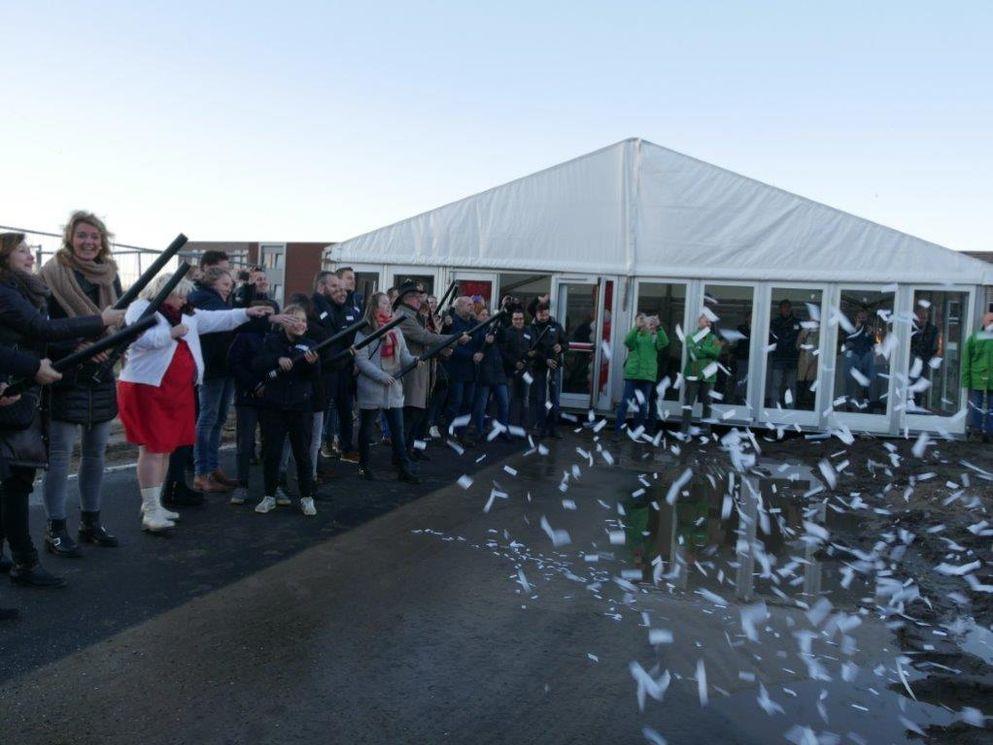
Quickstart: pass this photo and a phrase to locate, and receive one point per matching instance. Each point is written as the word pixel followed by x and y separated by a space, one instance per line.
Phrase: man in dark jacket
pixel 547 358
pixel 247 346
pixel 784 332
pixel 255 289
pixel 353 298
pixel 335 314
pixel 517 341
pixel 460 367
pixel 213 293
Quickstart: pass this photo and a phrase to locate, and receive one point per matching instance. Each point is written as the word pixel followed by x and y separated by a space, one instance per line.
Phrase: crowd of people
pixel 300 379
pixel 405 370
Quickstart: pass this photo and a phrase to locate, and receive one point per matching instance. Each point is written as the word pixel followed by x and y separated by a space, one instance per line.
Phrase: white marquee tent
pixel 638 209
pixel 636 213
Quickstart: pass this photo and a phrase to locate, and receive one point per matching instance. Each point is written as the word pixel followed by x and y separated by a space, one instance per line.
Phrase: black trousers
pixel 414 425
pixel 277 425
pixel 14 493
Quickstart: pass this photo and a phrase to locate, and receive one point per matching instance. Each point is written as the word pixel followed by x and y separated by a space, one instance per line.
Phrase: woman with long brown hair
pixel 378 390
pixel 25 326
pixel 82 277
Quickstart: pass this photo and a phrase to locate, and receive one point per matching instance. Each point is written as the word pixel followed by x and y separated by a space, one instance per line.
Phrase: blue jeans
pixel 629 396
pixel 215 399
pixel 545 388
pixel 857 394
pixel 459 399
pixel 502 398
pixel 62 439
pixel 395 419
pixel 981 411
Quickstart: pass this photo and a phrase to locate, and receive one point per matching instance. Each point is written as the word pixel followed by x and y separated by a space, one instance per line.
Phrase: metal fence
pixel 131 260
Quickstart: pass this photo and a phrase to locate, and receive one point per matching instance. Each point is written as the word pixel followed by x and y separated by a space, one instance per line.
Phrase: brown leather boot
pixel 205 483
pixel 221 478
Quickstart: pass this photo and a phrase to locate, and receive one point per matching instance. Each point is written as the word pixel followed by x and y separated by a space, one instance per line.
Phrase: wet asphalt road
pixel 412 627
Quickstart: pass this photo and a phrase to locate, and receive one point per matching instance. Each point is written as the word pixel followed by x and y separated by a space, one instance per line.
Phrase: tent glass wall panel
pixel 792 350
pixel 667 300
pixel 866 343
pixel 730 308
pixel 938 330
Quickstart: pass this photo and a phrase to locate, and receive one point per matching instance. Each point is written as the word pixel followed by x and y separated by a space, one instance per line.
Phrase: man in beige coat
pixel 417 383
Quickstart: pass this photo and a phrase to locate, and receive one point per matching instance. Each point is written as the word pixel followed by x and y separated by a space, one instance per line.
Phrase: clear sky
pixel 321 120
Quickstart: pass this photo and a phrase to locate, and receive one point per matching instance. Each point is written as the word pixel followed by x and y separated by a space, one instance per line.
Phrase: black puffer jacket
pixel 25 328
pixel 82 396
pixel 290 391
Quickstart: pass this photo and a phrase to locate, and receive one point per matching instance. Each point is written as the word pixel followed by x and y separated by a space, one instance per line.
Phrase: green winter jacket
pixel 643 359
pixel 977 362
pixel 700 354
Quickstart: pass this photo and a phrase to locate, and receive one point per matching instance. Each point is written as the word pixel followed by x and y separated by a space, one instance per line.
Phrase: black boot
pixel 9 614
pixel 91 531
pixel 34 575
pixel 59 542
pixel 178 494
pixel 408 477
pixel 5 564
pixel 366 473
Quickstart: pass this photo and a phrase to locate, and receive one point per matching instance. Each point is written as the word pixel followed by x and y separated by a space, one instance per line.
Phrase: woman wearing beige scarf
pixel 83 281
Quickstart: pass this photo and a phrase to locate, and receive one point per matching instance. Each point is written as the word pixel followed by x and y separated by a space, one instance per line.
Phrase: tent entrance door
pixel 476 284
pixel 584 305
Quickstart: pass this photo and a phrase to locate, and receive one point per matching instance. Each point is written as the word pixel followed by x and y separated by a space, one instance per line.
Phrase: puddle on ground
pixel 744 534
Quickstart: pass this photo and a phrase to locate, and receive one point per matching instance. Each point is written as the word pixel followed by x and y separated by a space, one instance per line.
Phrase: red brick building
pixel 291 266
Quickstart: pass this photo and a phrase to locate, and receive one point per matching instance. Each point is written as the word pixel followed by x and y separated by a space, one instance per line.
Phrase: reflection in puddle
pixel 759 533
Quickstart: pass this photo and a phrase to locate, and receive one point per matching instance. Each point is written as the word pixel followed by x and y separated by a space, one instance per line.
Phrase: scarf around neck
pixel 59 274
pixel 389 340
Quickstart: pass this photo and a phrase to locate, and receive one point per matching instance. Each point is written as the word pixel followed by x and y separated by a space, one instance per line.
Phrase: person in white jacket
pixel 156 388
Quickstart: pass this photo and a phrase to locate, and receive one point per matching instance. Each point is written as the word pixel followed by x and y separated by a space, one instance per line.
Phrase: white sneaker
pixel 434 433
pixel 239 495
pixel 155 521
pixel 168 514
pixel 281 498
pixel 307 506
pixel 268 504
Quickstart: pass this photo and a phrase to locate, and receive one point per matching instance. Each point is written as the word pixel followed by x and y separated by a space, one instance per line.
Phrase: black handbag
pixel 19 415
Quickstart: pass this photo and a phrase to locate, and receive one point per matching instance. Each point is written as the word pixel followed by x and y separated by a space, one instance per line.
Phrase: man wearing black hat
pixel 418 382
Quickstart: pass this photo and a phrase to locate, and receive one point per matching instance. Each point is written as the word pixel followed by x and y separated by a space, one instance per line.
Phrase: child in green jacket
pixel 977 376
pixel 702 350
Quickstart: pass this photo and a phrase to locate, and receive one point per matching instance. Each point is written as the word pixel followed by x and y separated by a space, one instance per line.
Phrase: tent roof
pixel 635 208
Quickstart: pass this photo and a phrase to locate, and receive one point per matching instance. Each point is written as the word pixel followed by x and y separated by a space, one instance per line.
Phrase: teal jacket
pixel 643 358
pixel 700 354
pixel 977 362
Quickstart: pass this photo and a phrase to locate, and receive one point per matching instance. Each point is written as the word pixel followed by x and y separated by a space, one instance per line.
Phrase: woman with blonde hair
pixel 25 327
pixel 82 277
pixel 156 388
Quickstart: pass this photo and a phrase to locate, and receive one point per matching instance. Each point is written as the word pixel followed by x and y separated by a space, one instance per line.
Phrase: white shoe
pixel 268 504
pixel 307 506
pixel 434 433
pixel 153 518
pixel 239 495
pixel 281 498
pixel 169 514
